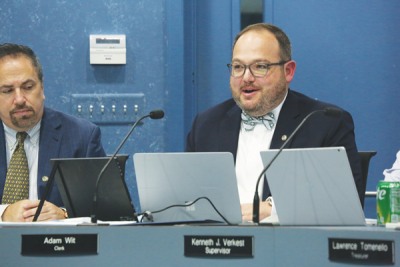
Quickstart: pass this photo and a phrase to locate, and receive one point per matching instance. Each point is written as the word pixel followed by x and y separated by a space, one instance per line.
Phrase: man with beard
pixel 30 135
pixel 264 112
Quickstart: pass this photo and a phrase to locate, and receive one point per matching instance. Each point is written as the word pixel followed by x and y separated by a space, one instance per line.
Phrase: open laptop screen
pixel 166 179
pixel 313 186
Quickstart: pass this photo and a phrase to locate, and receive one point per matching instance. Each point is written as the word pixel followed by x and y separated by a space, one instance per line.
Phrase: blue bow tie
pixel 250 122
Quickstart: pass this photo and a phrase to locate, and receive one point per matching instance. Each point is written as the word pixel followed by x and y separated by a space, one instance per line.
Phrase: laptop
pixel 166 179
pixel 313 186
pixel 76 179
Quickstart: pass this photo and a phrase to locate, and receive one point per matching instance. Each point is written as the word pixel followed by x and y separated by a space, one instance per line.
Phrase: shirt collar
pixel 277 110
pixel 32 137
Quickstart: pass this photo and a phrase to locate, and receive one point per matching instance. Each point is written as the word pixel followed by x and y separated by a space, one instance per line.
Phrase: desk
pixel 163 245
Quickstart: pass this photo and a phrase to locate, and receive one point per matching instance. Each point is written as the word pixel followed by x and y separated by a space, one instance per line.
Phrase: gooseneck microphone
pixel 155 115
pixel 330 112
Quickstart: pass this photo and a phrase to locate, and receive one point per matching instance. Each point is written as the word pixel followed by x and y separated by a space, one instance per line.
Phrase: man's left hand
pixel 49 211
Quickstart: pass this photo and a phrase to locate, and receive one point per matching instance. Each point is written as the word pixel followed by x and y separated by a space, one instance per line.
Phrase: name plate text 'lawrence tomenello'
pixel 361 250
pixel 219 246
pixel 65 244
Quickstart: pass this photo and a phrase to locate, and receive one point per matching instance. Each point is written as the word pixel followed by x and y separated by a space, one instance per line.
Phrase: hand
pixel 24 211
pixel 247 211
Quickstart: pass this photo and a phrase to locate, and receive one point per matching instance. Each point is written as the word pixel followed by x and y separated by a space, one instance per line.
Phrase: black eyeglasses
pixel 257 69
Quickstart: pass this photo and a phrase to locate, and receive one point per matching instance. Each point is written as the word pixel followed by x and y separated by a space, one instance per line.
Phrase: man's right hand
pixel 24 211
pixel 14 212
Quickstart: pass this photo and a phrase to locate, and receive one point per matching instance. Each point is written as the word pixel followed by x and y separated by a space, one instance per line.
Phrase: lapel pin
pixel 284 137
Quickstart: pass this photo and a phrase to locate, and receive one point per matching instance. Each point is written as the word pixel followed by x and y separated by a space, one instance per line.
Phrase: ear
pixel 290 68
pixel 44 97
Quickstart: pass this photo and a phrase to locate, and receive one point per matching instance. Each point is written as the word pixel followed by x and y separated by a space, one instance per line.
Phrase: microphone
pixel 330 112
pixel 333 112
pixel 155 115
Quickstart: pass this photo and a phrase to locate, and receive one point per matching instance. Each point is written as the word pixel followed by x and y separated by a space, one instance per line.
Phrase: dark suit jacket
pixel 217 129
pixel 61 136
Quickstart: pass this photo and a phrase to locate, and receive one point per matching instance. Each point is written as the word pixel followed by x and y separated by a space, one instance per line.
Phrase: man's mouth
pixel 249 90
pixel 22 111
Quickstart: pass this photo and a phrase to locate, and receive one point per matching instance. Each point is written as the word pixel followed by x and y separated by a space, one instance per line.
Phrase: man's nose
pixel 19 97
pixel 248 76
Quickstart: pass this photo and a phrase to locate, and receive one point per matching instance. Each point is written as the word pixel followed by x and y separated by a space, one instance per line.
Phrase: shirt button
pixel 45 178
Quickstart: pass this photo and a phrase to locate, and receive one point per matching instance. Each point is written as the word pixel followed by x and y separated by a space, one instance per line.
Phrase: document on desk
pixel 395 226
pixel 66 222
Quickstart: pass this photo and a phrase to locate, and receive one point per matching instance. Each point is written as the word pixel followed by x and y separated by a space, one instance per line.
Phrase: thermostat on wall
pixel 107 49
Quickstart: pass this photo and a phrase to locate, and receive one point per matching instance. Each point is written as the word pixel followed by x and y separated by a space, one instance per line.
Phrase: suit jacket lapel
pixel 49 146
pixel 229 131
pixel 3 160
pixel 287 122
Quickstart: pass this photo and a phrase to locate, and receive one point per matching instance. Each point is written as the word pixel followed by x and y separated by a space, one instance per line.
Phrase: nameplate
pixel 66 244
pixel 361 250
pixel 219 246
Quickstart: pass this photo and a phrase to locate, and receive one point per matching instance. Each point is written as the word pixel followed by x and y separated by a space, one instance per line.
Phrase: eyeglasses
pixel 257 69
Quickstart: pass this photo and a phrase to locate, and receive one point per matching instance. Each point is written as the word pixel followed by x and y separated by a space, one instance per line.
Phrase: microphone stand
pixel 333 112
pixel 156 114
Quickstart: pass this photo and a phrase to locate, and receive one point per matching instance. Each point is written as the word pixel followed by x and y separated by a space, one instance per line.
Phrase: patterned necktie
pixel 250 122
pixel 17 181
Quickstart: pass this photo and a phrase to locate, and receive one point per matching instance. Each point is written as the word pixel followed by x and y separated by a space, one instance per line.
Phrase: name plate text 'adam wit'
pixel 65 244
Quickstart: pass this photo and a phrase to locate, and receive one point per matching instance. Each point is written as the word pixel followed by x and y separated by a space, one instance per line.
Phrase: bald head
pixel 285 48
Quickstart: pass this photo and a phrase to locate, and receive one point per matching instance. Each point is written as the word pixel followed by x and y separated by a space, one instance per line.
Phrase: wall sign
pixel 219 246
pixel 361 250
pixel 66 244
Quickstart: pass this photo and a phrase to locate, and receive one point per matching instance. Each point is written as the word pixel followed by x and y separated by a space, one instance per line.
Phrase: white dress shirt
pixel 31 146
pixel 248 160
pixel 393 174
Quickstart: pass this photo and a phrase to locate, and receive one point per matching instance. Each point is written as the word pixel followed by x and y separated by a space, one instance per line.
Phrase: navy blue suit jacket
pixel 61 136
pixel 217 130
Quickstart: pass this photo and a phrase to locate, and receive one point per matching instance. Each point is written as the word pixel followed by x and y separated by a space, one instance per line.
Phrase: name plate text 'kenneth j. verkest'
pixel 219 246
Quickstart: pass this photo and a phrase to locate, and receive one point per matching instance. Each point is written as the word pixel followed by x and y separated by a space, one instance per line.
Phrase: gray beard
pixel 24 121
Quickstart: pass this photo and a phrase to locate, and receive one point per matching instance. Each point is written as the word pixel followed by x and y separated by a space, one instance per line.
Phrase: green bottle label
pixel 388 202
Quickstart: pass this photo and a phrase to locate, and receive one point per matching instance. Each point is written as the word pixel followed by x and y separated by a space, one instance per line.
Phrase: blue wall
pixel 210 28
pixel 58 31
pixel 348 53
pixel 177 50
